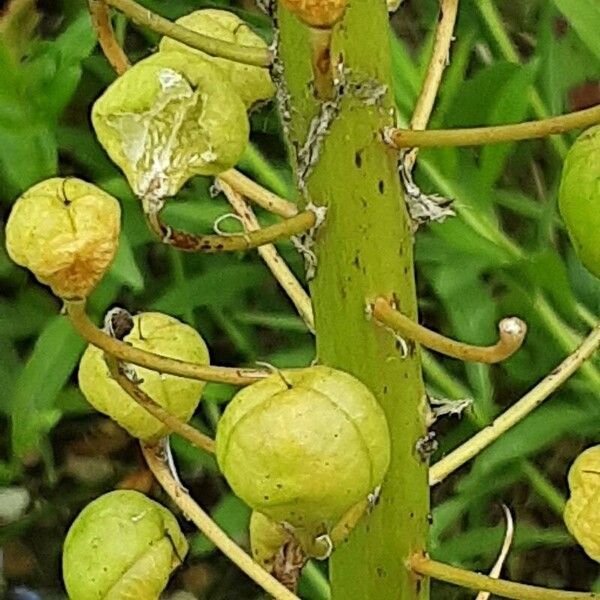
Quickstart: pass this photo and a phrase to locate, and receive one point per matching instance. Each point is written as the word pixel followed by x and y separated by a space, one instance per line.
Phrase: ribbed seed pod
pixel 582 512
pixel 122 545
pixel 322 14
pixel 304 446
pixel 156 333
pixel 579 197
pixel 167 119
pixel 66 232
pixel 253 84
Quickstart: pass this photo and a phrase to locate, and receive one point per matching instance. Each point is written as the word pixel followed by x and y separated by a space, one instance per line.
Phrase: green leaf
pixel 124 268
pixel 49 367
pixel 584 17
pixel 547 424
pixel 469 547
pixel 511 104
pixel 218 287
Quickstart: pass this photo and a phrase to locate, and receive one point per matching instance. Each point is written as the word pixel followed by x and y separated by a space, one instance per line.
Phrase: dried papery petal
pixel 317 13
pixel 253 84
pixel 267 537
pixel 162 335
pixel 167 119
pixel 579 197
pixel 582 512
pixel 122 545
pixel 304 446
pixel 66 232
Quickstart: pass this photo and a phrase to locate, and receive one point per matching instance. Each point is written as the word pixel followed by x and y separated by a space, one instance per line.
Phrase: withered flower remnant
pixel 66 232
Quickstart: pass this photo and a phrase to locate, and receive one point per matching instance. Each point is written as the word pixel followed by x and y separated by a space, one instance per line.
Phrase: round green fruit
pixel 253 84
pixel 167 119
pixel 582 511
pixel 579 197
pixel 121 545
pixel 161 334
pixel 304 446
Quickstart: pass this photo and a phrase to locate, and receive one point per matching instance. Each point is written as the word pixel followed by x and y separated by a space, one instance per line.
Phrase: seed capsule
pixel 167 119
pixel 322 14
pixel 121 545
pixel 579 197
pixel 156 333
pixel 304 446
pixel 253 84
pixel 582 512
pixel 66 232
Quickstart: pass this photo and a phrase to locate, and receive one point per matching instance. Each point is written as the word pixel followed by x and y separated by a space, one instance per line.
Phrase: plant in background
pixel 332 458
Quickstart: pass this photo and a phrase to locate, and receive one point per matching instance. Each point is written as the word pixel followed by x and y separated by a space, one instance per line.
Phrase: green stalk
pixel 364 249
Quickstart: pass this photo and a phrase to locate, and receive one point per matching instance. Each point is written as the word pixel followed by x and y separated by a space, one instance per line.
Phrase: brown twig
pixel 258 194
pixel 273 260
pixel 106 36
pixel 189 242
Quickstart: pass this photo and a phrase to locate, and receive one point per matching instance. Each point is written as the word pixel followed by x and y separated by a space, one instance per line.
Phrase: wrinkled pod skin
pixel 121 546
pixel 320 14
pixel 167 119
pixel 161 334
pixel 66 232
pixel 304 446
pixel 582 511
pixel 253 84
pixel 579 197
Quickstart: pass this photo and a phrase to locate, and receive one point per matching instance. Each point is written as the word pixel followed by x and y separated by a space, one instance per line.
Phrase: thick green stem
pixel 364 249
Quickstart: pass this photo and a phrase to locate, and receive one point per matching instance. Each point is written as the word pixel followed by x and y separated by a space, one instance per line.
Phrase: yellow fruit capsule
pixel 582 512
pixel 304 446
pixel 579 197
pixel 167 119
pixel 321 14
pixel 121 545
pixel 66 232
pixel 156 333
pixel 253 84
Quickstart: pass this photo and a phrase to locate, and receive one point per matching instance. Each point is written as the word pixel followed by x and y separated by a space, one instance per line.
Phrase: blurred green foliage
pixel 505 253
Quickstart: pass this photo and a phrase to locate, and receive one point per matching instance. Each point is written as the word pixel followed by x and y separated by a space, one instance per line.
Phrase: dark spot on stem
pixel 358 159
pixel 381 186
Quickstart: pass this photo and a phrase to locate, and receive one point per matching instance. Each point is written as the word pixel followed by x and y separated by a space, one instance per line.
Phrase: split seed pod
pixel 122 545
pixel 304 446
pixel 156 333
pixel 252 83
pixel 66 232
pixel 167 119
pixel 266 540
pixel 321 14
pixel 582 512
pixel 579 197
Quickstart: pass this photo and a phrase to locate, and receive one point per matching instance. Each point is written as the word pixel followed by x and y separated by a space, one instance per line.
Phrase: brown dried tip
pixel 322 14
pixel 65 231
